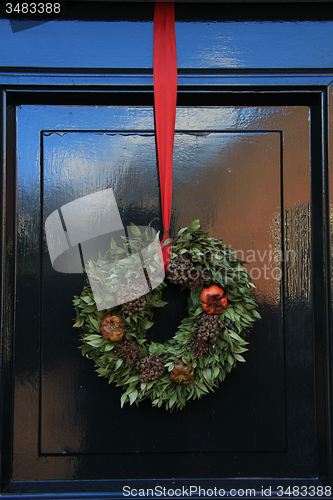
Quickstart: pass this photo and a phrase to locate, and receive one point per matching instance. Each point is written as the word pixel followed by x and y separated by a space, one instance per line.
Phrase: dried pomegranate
pixel 113 327
pixel 214 300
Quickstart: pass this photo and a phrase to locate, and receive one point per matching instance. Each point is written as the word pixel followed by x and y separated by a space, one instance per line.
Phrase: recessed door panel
pixel 245 172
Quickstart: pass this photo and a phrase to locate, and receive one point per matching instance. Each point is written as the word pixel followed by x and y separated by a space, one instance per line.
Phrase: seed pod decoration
pixel 214 300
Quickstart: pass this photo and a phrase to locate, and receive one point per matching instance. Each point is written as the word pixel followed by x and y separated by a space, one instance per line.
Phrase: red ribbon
pixel 165 99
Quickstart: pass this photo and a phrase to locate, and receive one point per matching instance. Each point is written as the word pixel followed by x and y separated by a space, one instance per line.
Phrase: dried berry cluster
pixel 182 270
pixel 199 347
pixel 199 282
pixel 135 305
pixel 179 270
pixel 128 352
pixel 210 327
pixel 150 367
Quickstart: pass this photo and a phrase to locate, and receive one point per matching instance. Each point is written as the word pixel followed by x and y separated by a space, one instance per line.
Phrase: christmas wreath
pixel 208 343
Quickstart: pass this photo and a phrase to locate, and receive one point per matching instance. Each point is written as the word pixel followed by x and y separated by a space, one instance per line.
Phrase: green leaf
pixel 239 358
pixel 89 309
pixel 166 242
pixel 119 363
pixel 123 399
pixel 160 349
pixel 92 337
pixel 172 400
pixel 88 300
pixel 231 313
pixel 161 303
pixel 96 343
pixel 103 371
pixel 208 375
pixel 198 311
pixel 240 349
pixel 196 251
pixel 235 336
pixel 135 230
pixel 230 360
pixel 134 378
pixel 94 323
pixel 182 230
pixel 202 386
pixel 132 396
pixel 79 322
pixel 195 225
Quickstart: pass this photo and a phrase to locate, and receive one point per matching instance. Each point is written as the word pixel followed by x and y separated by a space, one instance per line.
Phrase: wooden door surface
pixel 251 162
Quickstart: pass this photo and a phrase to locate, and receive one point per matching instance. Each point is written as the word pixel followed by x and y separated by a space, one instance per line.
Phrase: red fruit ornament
pixel 214 300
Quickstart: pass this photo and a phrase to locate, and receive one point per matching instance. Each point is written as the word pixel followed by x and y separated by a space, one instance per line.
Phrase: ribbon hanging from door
pixel 165 100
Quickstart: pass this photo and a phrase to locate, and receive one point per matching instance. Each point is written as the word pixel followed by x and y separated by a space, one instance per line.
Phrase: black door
pixel 250 161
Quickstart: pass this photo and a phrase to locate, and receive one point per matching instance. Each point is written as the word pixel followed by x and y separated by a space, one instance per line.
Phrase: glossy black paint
pixel 62 426
pixel 62 412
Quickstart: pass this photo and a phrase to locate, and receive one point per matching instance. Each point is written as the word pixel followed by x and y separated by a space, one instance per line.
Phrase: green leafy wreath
pixel 208 343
